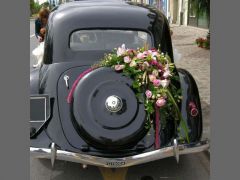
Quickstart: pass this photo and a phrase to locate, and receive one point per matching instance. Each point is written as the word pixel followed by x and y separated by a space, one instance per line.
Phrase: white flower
pixel 132 64
pixel 146 64
pixel 155 72
pixel 127 59
pixel 167 73
pixel 121 50
pixel 164 83
pixel 154 55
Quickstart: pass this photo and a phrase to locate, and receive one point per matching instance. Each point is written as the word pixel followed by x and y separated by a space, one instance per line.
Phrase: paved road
pixel 194 166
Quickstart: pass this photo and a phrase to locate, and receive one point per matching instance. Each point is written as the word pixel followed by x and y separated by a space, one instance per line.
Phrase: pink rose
pixel 145 53
pixel 140 56
pixel 127 59
pixel 160 102
pixel 119 67
pixel 149 51
pixel 156 82
pixel 165 82
pixel 152 77
pixel 148 93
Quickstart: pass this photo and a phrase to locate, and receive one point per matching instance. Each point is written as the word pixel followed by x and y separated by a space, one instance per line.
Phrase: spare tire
pixel 106 112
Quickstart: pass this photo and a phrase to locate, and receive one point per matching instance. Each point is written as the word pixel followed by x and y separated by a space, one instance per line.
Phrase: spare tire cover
pixel 106 112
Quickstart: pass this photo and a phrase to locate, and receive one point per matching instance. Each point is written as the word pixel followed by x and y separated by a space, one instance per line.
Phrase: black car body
pixel 59 131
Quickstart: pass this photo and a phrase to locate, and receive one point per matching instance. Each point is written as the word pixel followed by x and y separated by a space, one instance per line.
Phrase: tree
pixel 45 4
pixel 32 3
pixel 34 7
pixel 203 6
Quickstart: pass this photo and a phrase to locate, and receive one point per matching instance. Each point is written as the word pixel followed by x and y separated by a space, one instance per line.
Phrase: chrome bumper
pixel 84 159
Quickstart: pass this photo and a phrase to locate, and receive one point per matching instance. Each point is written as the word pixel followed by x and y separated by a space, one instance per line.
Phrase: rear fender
pixel 190 95
pixel 34 81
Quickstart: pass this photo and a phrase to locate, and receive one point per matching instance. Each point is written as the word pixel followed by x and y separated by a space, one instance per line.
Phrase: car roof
pixel 105 14
pixel 82 3
pixel 78 8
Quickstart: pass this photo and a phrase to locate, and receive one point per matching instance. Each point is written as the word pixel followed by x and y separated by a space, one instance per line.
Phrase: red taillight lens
pixel 193 109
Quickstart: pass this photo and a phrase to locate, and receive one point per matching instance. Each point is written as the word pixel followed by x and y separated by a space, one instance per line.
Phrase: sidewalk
pixel 197 61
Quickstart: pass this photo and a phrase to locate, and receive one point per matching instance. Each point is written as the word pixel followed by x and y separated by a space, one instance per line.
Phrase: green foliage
pixel 45 5
pixel 202 6
pixel 35 6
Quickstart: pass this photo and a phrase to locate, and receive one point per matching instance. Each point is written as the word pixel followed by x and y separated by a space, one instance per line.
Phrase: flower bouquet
pixel 153 75
pixel 203 43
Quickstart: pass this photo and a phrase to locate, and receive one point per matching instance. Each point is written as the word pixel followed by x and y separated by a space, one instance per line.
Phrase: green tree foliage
pixel 202 6
pixel 35 6
pixel 32 3
pixel 45 5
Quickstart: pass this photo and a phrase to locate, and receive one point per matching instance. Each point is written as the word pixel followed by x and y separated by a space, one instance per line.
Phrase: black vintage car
pixel 92 130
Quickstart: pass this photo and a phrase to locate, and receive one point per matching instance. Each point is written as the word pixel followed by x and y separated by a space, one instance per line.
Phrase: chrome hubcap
pixel 113 103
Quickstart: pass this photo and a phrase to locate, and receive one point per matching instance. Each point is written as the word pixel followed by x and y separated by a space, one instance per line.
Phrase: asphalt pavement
pixel 190 167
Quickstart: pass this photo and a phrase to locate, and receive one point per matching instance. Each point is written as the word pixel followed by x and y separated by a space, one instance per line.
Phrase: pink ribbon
pixel 70 95
pixel 157 124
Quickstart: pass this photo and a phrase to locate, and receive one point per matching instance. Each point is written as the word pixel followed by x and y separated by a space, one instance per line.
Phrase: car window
pixel 95 40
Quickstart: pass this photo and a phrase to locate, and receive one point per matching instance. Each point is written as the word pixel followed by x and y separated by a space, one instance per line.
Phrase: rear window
pixel 105 40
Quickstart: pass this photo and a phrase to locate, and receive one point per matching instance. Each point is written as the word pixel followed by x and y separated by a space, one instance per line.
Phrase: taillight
pixel 193 109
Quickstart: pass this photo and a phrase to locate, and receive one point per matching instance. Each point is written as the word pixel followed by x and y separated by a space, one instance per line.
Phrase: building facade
pixel 198 14
pixel 182 12
pixel 163 5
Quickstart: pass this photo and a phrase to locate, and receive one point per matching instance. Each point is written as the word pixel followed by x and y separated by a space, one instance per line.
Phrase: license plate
pixel 115 163
pixel 38 108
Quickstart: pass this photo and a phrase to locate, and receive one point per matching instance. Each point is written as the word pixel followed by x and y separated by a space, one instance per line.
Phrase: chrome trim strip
pixel 176 150
pixel 119 162
pixel 53 153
